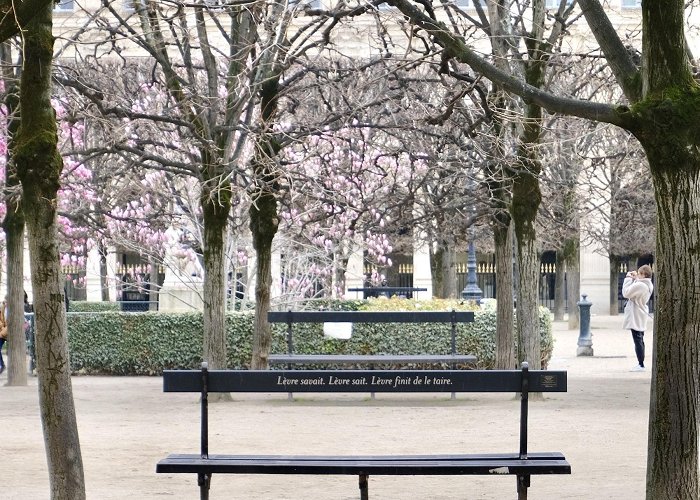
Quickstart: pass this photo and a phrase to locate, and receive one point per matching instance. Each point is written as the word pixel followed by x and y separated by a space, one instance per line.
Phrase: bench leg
pixel 204 481
pixel 523 485
pixel 364 487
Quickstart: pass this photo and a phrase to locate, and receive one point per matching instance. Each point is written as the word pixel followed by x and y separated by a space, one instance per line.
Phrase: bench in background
pixel 387 291
pixel 522 463
pixel 292 317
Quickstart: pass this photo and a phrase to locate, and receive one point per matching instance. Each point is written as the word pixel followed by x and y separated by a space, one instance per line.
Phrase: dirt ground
pixel 127 424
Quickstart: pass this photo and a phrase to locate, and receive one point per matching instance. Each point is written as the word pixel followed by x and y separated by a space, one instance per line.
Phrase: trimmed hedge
pixel 85 306
pixel 147 343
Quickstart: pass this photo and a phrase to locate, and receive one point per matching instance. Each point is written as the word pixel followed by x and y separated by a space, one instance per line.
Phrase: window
pixel 631 4
pixel 64 6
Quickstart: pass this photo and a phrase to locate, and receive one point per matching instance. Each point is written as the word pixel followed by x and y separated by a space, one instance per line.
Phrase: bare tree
pixel 39 166
pixel 661 91
pixel 13 226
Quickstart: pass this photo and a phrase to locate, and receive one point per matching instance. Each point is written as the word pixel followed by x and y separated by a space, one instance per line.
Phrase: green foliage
pixel 84 306
pixel 401 304
pixel 333 305
pixel 147 343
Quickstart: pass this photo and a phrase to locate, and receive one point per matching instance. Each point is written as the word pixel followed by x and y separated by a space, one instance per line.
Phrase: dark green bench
pixel 521 463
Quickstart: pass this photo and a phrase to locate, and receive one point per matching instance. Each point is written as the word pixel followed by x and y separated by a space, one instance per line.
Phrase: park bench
pixel 387 291
pixel 371 360
pixel 522 463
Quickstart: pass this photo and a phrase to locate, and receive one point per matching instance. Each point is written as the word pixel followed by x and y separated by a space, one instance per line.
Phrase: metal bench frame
pixel 522 464
pixel 291 317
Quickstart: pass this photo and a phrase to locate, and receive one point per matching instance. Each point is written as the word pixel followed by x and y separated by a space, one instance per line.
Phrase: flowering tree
pixel 347 196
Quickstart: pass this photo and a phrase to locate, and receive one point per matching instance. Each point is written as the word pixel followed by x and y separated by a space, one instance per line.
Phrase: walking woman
pixel 637 289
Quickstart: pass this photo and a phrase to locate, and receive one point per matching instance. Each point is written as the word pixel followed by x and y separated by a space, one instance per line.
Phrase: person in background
pixel 637 289
pixel 27 306
pixel 3 333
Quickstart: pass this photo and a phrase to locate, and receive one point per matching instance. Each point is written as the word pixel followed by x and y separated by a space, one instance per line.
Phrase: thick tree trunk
pixel 527 308
pixel 503 240
pixel 526 201
pixel 39 167
pixel 263 226
pixel 264 222
pixel 672 469
pixel 524 207
pixel 215 208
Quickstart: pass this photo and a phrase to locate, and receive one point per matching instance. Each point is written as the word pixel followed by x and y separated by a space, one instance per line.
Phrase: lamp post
pixel 471 289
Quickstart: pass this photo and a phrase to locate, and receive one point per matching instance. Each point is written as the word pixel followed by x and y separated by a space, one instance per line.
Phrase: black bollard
pixel 585 340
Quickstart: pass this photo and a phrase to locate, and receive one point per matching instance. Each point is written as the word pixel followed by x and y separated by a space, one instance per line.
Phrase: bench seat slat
pixel 550 455
pixel 387 466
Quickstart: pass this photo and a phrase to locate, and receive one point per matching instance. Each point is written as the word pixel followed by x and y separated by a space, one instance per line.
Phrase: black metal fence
pixel 136 291
pixel 486 279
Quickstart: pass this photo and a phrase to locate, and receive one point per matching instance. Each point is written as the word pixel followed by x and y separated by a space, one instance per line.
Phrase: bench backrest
pixel 347 381
pixel 290 317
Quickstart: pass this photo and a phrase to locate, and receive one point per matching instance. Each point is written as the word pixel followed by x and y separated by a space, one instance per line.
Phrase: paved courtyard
pixel 127 424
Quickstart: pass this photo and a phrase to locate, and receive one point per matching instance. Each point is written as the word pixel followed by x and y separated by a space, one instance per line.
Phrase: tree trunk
pixel 104 282
pixel 614 284
pixel 263 218
pixel 524 207
pixel 449 271
pixel 573 283
pixel 672 468
pixel 503 240
pixel 16 343
pixel 39 167
pixel 559 287
pixel 216 206
pixel 436 267
pixel 13 226
pixel 264 221
pixel 527 308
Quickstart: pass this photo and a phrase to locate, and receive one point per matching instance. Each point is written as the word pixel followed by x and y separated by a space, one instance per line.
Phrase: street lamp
pixel 471 289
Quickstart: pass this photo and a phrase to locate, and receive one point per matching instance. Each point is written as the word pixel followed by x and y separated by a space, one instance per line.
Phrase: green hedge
pixel 478 338
pixel 84 306
pixel 147 343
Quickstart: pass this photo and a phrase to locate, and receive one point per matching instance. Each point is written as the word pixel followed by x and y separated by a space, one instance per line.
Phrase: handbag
pixel 3 332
